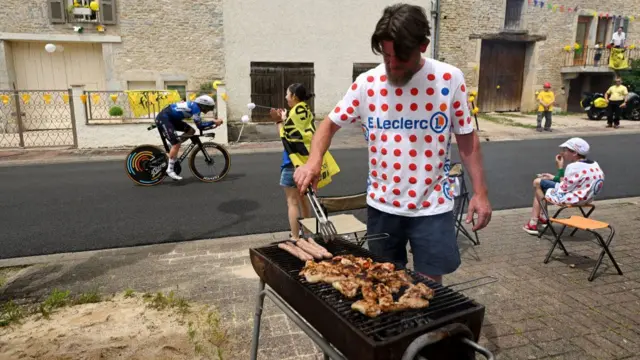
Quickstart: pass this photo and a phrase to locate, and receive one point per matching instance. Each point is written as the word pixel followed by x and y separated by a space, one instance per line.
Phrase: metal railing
pixel 592 56
pixel 115 107
pixel 37 118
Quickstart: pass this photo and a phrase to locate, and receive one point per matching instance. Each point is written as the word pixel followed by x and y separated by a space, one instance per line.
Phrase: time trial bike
pixel 209 162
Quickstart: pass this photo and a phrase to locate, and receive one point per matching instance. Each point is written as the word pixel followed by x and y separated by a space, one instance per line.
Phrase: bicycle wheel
pixel 216 162
pixel 146 164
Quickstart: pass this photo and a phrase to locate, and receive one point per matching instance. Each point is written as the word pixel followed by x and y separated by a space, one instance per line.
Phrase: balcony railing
pixel 592 56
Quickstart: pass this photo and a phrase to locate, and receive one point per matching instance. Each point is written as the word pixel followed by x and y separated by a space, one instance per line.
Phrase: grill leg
pixel 256 321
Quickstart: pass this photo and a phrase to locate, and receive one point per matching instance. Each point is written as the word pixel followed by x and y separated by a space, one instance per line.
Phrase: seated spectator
pixel 577 184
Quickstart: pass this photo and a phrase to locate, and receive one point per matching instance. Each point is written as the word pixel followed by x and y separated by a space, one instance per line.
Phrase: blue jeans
pixel 286 177
pixel 546 185
pixel 432 238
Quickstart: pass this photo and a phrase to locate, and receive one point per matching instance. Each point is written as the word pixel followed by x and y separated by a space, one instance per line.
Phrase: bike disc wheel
pixel 215 169
pixel 146 165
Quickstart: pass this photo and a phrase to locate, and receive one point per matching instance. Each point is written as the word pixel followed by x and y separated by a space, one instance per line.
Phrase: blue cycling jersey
pixel 184 109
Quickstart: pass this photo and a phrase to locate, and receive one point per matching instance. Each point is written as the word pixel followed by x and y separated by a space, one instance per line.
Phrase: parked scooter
pixel 596 106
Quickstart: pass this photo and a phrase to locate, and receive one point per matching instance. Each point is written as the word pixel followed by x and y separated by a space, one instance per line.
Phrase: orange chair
pixel 590 206
pixel 590 225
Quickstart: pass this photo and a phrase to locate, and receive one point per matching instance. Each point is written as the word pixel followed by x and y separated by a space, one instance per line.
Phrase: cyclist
pixel 171 119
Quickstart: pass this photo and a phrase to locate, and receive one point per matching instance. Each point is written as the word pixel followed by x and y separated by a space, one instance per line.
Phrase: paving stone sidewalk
pixel 533 311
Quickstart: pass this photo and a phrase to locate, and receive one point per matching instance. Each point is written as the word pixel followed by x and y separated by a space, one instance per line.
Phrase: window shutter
pixel 56 12
pixel 108 11
pixel 625 27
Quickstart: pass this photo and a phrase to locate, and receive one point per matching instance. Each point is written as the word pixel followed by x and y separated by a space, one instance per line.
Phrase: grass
pixel 505 121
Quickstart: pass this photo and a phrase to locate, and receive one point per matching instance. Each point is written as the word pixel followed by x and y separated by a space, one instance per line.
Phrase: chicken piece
pixel 369 308
pixel 385 298
pixel 368 292
pixel 424 291
pixel 350 270
pixel 416 296
pixel 321 272
pixel 396 280
pixel 379 271
pixel 348 288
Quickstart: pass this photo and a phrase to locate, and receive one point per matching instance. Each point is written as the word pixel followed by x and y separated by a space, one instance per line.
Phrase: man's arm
pixel 471 155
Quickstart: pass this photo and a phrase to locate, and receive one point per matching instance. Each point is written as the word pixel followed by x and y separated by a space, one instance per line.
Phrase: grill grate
pixel 388 325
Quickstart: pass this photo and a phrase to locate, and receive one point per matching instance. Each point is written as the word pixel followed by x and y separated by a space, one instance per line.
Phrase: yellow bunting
pixel 216 83
pixel 225 97
pixel 95 98
pixel 47 98
pixel 94 6
pixel 632 46
pixel 100 28
pixel 472 98
pixel 114 97
pixel 475 110
pixel 83 98
pixel 5 99
pixel 65 98
pixel 153 98
pixel 26 98
pixel 192 97
pixel 567 48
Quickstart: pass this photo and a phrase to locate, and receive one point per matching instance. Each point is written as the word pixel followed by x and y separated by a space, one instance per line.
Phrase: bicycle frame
pixel 195 141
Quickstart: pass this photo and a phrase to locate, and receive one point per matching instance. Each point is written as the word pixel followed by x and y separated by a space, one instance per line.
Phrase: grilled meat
pixel 377 283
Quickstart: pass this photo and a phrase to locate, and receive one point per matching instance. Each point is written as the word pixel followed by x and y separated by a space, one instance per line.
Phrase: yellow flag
pixel 114 97
pixel 65 98
pixel 26 98
pixel 145 102
pixel 5 99
pixel 95 98
pixel 83 98
pixel 46 98
pixel 617 61
pixel 296 134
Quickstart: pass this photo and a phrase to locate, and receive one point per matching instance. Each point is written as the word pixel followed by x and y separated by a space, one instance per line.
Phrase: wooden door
pixel 501 75
pixel 582 35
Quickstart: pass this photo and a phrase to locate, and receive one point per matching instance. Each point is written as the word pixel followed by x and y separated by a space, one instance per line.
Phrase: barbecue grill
pixel 324 314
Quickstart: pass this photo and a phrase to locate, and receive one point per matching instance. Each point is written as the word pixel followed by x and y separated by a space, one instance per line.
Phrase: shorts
pixel 546 185
pixel 286 177
pixel 168 128
pixel 432 238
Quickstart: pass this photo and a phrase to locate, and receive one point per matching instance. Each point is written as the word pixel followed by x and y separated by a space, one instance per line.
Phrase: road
pixel 86 206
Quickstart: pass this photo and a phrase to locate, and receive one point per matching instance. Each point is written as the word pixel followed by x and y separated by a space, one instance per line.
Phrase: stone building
pixel 124 45
pixel 509 48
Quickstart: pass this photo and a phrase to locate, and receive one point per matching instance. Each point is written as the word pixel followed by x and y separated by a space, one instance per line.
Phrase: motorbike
pixel 597 108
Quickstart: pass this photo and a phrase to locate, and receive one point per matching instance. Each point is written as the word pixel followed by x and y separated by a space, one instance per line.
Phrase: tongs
pixel 325 227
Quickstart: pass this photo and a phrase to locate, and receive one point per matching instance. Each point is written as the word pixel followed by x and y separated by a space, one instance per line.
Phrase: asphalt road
pixel 85 206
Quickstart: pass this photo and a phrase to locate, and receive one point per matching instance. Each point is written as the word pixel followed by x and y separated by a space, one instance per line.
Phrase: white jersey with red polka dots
pixel 582 181
pixel 409 132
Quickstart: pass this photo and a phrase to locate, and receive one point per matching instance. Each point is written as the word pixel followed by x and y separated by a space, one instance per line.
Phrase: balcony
pixel 593 59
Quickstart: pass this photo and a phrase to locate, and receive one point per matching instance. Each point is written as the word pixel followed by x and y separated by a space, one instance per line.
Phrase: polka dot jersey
pixel 409 131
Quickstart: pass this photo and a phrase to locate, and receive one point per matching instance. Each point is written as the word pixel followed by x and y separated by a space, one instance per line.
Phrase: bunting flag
pixel 617 60
pixel 550 5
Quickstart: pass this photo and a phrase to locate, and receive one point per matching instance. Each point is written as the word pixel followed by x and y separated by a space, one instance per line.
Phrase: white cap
pixel 578 145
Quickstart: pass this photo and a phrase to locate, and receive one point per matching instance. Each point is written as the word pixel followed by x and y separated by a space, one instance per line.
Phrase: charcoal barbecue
pixel 325 315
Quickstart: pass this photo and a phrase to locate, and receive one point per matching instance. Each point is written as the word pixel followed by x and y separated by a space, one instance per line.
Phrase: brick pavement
pixel 534 310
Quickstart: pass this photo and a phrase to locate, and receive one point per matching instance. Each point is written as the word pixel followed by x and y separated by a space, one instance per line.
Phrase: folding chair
pixel 344 223
pixel 590 225
pixel 461 200
pixel 589 205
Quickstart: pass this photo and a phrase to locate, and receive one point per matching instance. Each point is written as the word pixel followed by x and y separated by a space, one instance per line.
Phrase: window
pixel 80 11
pixel 359 68
pixel 269 82
pixel 513 14
pixel 179 86
pixel 620 21
pixel 601 33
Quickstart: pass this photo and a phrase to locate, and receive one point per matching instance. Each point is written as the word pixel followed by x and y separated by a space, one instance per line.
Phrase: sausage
pixel 308 248
pixel 325 253
pixel 295 251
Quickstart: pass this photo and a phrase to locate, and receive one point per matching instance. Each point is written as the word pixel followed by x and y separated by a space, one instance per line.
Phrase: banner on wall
pixel 144 102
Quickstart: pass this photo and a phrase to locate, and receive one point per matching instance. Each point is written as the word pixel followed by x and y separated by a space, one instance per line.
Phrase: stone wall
pixel 180 40
pixel 462 19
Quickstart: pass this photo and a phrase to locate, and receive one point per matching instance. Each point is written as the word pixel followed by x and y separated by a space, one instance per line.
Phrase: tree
pixel 631 77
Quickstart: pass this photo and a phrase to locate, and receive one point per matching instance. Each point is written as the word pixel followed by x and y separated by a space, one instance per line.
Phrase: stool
pixel 562 208
pixel 590 225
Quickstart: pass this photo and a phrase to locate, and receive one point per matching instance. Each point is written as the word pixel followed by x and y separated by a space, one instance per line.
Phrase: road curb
pixel 249 238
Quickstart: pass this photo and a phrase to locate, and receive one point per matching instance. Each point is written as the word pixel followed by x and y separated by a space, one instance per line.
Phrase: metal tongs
pixel 325 227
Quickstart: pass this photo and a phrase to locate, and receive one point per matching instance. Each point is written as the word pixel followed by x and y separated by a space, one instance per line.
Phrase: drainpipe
pixel 436 27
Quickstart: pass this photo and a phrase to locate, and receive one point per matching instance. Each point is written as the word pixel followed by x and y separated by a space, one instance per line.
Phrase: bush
pixel 116 111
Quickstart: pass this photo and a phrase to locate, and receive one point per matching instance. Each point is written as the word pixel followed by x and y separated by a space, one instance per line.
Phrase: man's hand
pixel 218 122
pixel 305 175
pixel 480 205
pixel 546 176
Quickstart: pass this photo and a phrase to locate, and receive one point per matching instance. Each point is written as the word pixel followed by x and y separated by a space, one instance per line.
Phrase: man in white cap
pixel 578 183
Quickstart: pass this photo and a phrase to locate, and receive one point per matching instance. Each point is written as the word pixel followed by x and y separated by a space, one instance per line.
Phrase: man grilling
pixel 411 107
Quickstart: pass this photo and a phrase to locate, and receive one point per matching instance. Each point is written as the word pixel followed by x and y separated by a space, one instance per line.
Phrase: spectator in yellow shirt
pixel 545 107
pixel 616 96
